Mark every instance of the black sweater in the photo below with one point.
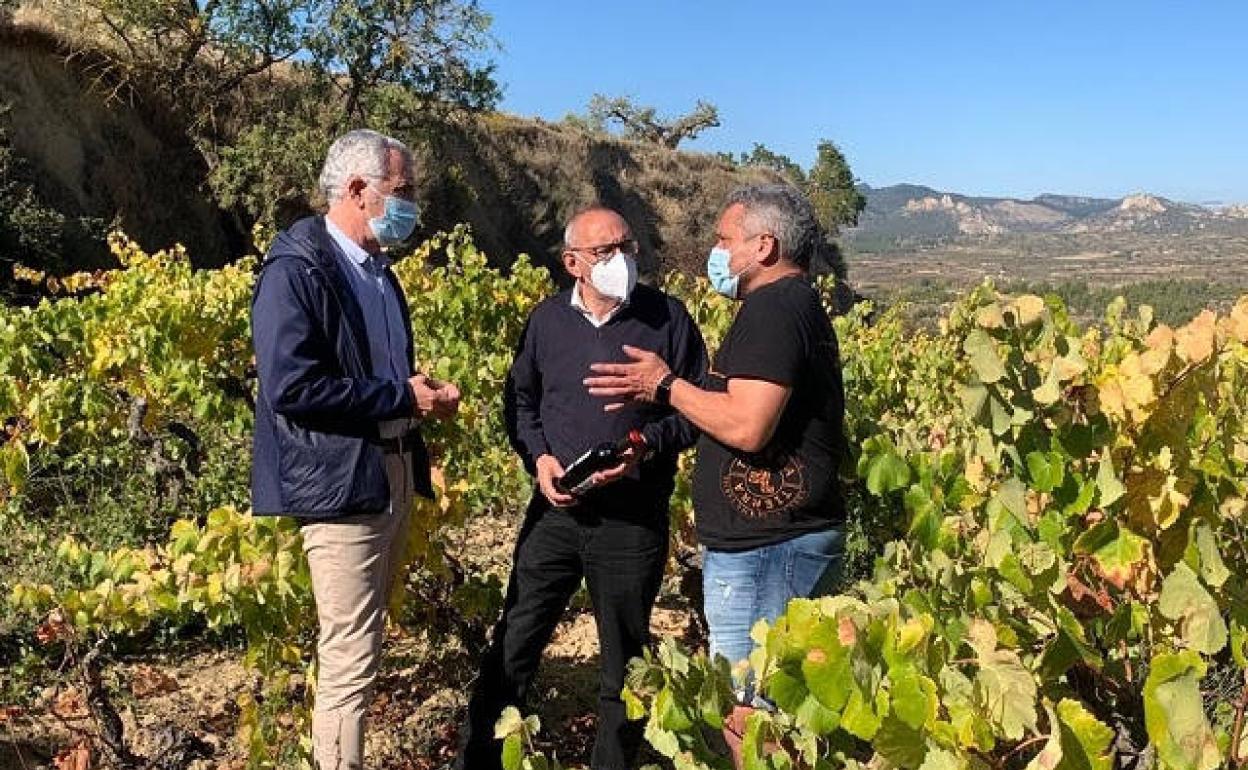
(549, 410)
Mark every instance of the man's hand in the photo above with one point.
(637, 380)
(549, 469)
(433, 398)
(446, 399)
(630, 458)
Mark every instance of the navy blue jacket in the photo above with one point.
(317, 453)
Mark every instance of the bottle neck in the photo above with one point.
(634, 440)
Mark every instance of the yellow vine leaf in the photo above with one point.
(1194, 342)
(1028, 309)
(990, 317)
(1160, 342)
(1169, 502)
(1126, 391)
(1069, 366)
(1238, 320)
(975, 474)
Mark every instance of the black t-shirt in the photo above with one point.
(746, 500)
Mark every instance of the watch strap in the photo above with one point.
(663, 393)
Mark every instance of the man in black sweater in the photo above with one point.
(615, 535)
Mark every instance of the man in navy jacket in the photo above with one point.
(337, 438)
(613, 536)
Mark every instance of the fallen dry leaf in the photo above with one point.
(54, 628)
(77, 757)
(148, 681)
(70, 704)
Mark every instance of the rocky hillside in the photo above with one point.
(912, 214)
(90, 153)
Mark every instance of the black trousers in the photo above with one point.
(622, 563)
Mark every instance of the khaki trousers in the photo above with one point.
(352, 560)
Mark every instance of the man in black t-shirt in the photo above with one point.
(766, 493)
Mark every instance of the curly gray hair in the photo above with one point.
(361, 153)
(783, 211)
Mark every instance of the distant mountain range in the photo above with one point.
(911, 215)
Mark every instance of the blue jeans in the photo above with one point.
(743, 587)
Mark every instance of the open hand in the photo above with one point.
(636, 380)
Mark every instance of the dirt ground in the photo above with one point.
(413, 720)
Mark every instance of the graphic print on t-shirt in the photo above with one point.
(765, 489)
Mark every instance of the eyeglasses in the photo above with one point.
(628, 247)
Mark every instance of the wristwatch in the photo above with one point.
(663, 391)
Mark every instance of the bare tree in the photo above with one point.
(639, 122)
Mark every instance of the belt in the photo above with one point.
(397, 445)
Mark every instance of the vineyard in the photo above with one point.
(1049, 527)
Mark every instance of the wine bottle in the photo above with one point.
(577, 477)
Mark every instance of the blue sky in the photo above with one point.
(993, 98)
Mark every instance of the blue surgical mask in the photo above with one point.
(396, 222)
(722, 279)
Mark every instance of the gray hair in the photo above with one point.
(783, 211)
(361, 153)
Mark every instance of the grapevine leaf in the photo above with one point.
(1194, 343)
(913, 696)
(16, 463)
(887, 472)
(1107, 482)
(1067, 647)
(1086, 742)
(1239, 320)
(1013, 495)
(1006, 691)
(957, 698)
(1046, 471)
(1120, 556)
(509, 723)
(1036, 558)
(815, 717)
(664, 741)
(941, 759)
(1001, 417)
(860, 717)
(1174, 715)
(982, 352)
(990, 316)
(1050, 757)
(787, 690)
(1028, 309)
(669, 714)
(826, 668)
(513, 752)
(1050, 391)
(1184, 599)
(899, 743)
(974, 400)
(1239, 641)
(1212, 568)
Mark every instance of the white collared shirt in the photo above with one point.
(383, 316)
(579, 304)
